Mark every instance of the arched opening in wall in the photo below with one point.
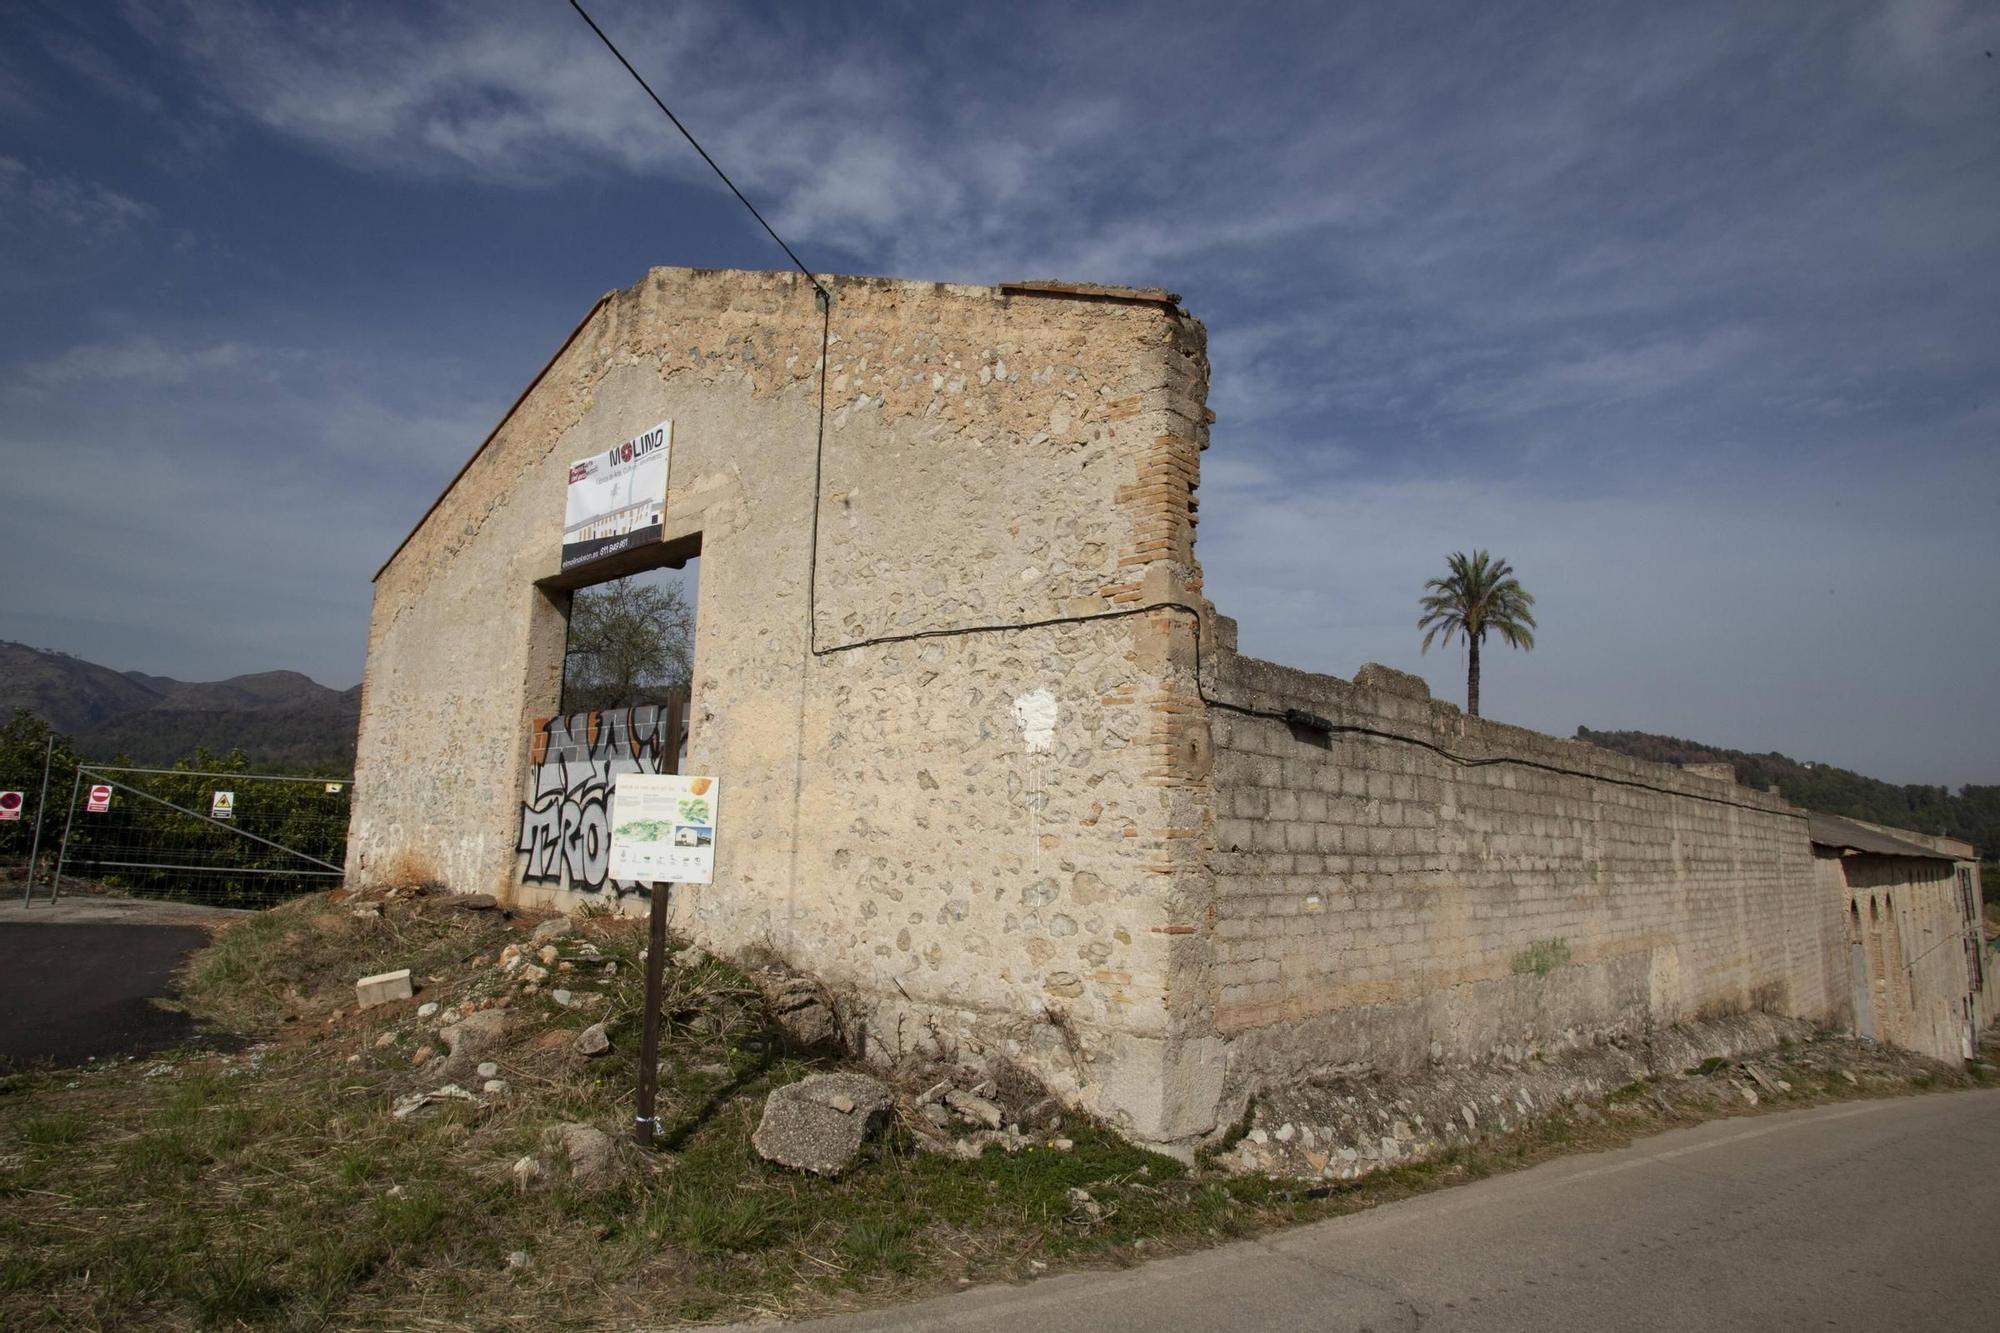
(1874, 910)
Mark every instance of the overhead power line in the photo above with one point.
(667, 111)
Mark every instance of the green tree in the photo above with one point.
(1478, 595)
(24, 743)
(629, 643)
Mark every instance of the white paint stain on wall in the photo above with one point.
(1035, 713)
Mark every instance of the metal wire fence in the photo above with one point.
(227, 839)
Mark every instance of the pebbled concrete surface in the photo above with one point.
(1868, 1215)
(80, 980)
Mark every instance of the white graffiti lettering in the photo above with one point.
(565, 835)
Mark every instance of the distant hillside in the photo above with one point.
(1972, 813)
(273, 717)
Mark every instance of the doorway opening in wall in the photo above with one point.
(623, 706)
(630, 641)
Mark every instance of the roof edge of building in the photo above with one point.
(1048, 287)
(498, 426)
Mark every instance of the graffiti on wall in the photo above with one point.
(566, 813)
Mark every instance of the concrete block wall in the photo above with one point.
(1420, 886)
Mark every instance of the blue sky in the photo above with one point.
(1689, 310)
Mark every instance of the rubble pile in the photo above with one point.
(1339, 1126)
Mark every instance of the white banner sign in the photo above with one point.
(617, 500)
(663, 827)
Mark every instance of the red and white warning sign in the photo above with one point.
(100, 799)
(11, 803)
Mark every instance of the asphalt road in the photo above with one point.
(1868, 1215)
(78, 981)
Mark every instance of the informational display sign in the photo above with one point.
(10, 804)
(663, 827)
(617, 500)
(222, 805)
(100, 799)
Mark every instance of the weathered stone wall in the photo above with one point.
(946, 672)
(1918, 952)
(1419, 886)
(971, 834)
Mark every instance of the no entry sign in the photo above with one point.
(100, 799)
(11, 803)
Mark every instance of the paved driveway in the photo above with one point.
(79, 980)
(1868, 1215)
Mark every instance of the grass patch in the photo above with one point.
(1541, 958)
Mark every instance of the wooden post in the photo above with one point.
(647, 1122)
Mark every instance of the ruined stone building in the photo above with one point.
(989, 762)
(1920, 978)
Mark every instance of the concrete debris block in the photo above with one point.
(563, 998)
(800, 1008)
(552, 930)
(427, 1008)
(488, 1069)
(975, 1108)
(593, 1040)
(384, 987)
(494, 1086)
(805, 1126)
(416, 1103)
(590, 1154)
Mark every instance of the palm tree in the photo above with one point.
(1480, 594)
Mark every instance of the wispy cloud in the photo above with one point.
(140, 360)
(83, 208)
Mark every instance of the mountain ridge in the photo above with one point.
(275, 717)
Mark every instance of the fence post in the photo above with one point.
(41, 813)
(62, 855)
